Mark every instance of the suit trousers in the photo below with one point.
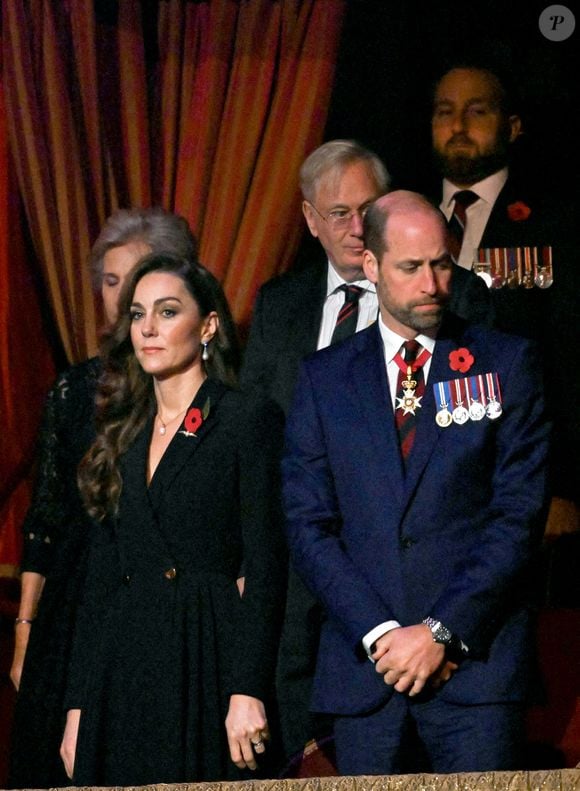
(428, 734)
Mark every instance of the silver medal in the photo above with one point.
(460, 415)
(476, 410)
(493, 409)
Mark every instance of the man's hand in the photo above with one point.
(408, 657)
(443, 674)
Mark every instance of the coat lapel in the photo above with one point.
(185, 443)
(135, 495)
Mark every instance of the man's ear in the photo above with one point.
(515, 127)
(310, 217)
(370, 266)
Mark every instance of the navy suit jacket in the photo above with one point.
(452, 538)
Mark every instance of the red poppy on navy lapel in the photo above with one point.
(518, 211)
(461, 360)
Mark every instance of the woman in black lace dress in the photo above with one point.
(55, 529)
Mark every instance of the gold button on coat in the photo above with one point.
(170, 574)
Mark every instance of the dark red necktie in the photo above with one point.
(348, 314)
(458, 220)
(410, 390)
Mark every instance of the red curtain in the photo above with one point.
(206, 108)
(26, 364)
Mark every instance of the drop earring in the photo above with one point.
(205, 353)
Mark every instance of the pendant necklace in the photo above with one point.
(163, 426)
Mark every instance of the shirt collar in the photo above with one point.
(487, 189)
(334, 281)
(392, 342)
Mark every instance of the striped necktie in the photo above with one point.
(458, 220)
(348, 314)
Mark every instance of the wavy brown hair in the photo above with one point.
(125, 397)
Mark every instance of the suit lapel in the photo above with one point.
(372, 388)
(428, 432)
(306, 326)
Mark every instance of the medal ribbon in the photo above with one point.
(475, 388)
(458, 392)
(442, 395)
(419, 362)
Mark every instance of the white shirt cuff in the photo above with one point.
(371, 637)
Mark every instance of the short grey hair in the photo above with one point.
(335, 156)
(160, 230)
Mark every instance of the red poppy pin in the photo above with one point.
(461, 360)
(518, 211)
(194, 419)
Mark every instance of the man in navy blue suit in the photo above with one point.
(415, 486)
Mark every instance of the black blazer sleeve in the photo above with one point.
(264, 551)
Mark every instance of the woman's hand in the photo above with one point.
(247, 730)
(31, 587)
(21, 635)
(68, 746)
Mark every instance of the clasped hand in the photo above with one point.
(408, 657)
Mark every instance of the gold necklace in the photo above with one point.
(163, 426)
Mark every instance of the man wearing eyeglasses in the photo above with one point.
(297, 313)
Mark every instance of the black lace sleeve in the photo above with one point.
(56, 513)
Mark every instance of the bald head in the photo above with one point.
(400, 203)
(406, 257)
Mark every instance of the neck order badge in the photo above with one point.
(410, 390)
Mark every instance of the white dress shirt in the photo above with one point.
(477, 215)
(368, 305)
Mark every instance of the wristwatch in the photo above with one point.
(441, 634)
(454, 647)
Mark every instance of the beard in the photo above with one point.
(463, 169)
(419, 321)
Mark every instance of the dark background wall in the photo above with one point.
(392, 51)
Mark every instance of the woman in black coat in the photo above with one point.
(176, 639)
(56, 526)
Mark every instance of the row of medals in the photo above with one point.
(461, 414)
(409, 402)
(475, 409)
(514, 266)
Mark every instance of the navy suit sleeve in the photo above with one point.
(313, 523)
